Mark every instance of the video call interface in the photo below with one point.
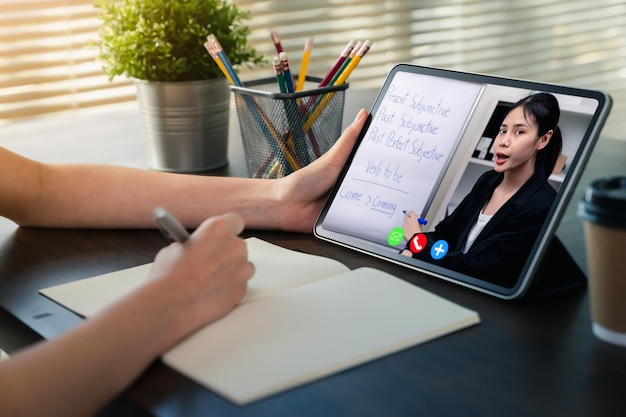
(429, 139)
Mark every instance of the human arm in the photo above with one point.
(79, 371)
(81, 195)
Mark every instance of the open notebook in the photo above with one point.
(304, 317)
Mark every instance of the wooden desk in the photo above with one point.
(534, 358)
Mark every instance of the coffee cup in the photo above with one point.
(603, 209)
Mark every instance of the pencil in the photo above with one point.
(209, 47)
(319, 107)
(332, 74)
(280, 77)
(342, 57)
(353, 63)
(291, 110)
(217, 53)
(304, 66)
(284, 61)
(276, 41)
(346, 62)
(283, 152)
(222, 55)
(293, 113)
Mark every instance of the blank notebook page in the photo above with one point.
(284, 340)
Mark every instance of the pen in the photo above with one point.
(169, 225)
(420, 220)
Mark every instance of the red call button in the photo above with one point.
(417, 243)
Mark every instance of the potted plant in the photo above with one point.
(183, 95)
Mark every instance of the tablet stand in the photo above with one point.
(557, 272)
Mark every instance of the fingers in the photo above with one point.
(234, 222)
(303, 193)
(411, 225)
(223, 231)
(210, 271)
(229, 223)
(337, 156)
(357, 124)
(346, 141)
(219, 236)
(360, 119)
(351, 133)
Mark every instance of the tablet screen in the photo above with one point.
(463, 176)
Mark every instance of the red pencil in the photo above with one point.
(344, 54)
(276, 40)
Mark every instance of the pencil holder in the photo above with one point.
(283, 132)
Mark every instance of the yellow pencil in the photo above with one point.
(306, 56)
(342, 79)
(258, 113)
(209, 47)
(353, 63)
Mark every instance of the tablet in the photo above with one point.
(453, 176)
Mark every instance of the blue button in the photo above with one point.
(439, 249)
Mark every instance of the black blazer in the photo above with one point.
(502, 247)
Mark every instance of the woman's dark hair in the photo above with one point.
(543, 109)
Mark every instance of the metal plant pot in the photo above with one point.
(186, 123)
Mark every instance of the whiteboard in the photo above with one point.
(416, 124)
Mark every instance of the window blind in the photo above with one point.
(573, 42)
(47, 65)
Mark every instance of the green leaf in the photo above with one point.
(158, 40)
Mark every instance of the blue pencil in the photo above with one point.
(293, 115)
(284, 61)
(219, 51)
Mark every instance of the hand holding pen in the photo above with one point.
(169, 225)
(412, 224)
(204, 276)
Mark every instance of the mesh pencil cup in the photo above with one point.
(283, 132)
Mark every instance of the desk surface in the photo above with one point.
(528, 358)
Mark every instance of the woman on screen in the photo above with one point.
(491, 232)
